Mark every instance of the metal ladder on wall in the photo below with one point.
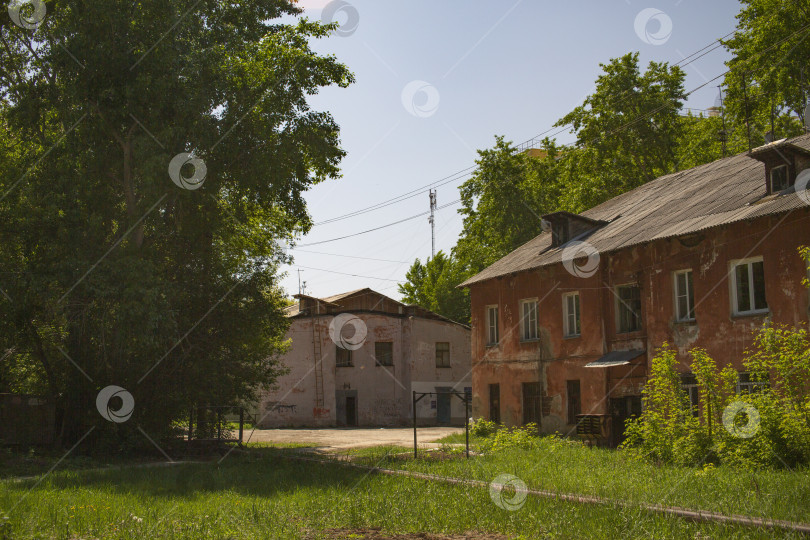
(316, 348)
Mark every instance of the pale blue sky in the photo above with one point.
(503, 67)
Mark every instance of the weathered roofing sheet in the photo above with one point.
(718, 193)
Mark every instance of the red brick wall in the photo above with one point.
(554, 359)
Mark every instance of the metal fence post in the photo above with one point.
(467, 422)
(414, 424)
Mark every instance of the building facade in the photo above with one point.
(566, 325)
(356, 358)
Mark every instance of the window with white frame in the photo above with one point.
(528, 320)
(748, 287)
(492, 325)
(628, 308)
(571, 321)
(779, 178)
(684, 296)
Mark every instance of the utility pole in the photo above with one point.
(300, 290)
(432, 223)
(723, 133)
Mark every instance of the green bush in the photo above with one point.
(483, 428)
(526, 437)
(767, 428)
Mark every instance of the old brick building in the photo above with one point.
(356, 358)
(567, 323)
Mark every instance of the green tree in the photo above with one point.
(626, 131)
(768, 73)
(433, 286)
(502, 202)
(109, 266)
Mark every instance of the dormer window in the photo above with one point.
(780, 178)
(566, 226)
(559, 233)
(783, 161)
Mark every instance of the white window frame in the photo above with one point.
(751, 296)
(690, 296)
(490, 327)
(529, 330)
(787, 177)
(567, 330)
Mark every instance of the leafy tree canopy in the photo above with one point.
(108, 266)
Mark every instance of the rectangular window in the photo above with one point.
(574, 401)
(442, 354)
(747, 385)
(628, 306)
(684, 296)
(571, 321)
(343, 357)
(528, 320)
(384, 353)
(748, 287)
(559, 233)
(689, 384)
(779, 179)
(492, 325)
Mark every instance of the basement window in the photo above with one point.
(384, 353)
(690, 386)
(442, 354)
(343, 357)
(628, 308)
(779, 178)
(746, 384)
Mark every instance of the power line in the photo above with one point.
(422, 214)
(405, 196)
(619, 128)
(347, 274)
(715, 44)
(349, 256)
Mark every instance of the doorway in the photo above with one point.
(574, 401)
(443, 398)
(622, 409)
(532, 403)
(351, 411)
(495, 403)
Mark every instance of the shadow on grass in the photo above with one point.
(259, 472)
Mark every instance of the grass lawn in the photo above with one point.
(262, 494)
(565, 467)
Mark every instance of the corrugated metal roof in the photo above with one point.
(718, 193)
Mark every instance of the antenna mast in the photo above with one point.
(432, 223)
(300, 289)
(724, 133)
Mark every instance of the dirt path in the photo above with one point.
(343, 439)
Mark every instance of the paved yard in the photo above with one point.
(341, 439)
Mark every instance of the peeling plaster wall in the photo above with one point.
(554, 359)
(383, 393)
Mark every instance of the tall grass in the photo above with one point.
(569, 467)
(272, 497)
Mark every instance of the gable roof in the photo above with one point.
(364, 300)
(719, 193)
